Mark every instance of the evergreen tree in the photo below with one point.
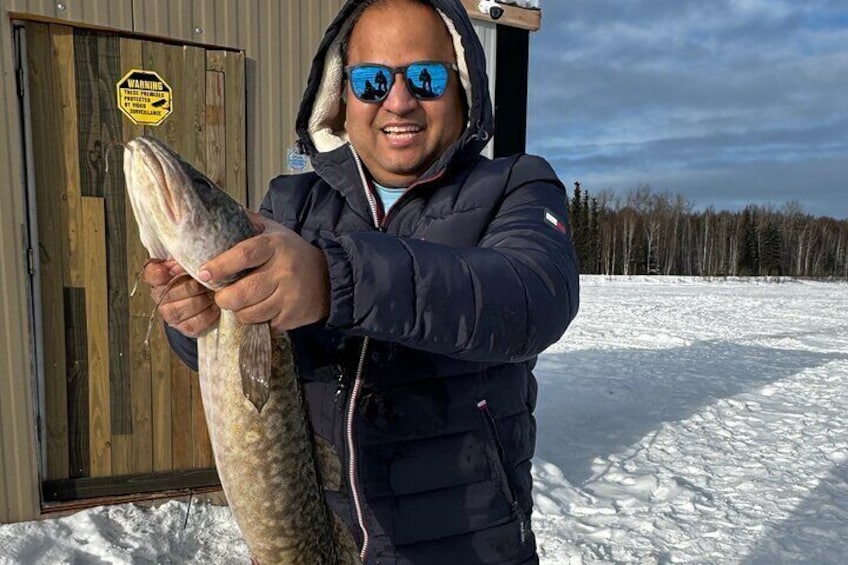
(595, 237)
(771, 249)
(748, 262)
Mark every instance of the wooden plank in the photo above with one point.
(76, 339)
(181, 416)
(215, 60)
(51, 245)
(140, 304)
(236, 126)
(66, 104)
(160, 397)
(97, 324)
(225, 134)
(154, 59)
(216, 129)
(188, 65)
(195, 101)
(186, 131)
(141, 453)
(212, 494)
(88, 113)
(183, 68)
(121, 449)
(109, 73)
(75, 489)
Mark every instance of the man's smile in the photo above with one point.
(401, 135)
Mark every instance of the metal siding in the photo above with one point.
(488, 34)
(18, 469)
(107, 13)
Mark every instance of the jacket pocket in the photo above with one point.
(495, 451)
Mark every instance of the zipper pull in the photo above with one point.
(522, 529)
(341, 389)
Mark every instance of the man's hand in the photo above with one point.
(286, 281)
(187, 306)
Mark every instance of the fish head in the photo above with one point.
(180, 212)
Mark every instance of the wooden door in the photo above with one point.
(115, 418)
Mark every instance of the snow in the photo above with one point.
(680, 421)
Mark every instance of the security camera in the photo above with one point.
(492, 8)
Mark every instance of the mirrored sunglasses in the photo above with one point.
(426, 80)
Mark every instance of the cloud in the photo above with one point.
(672, 93)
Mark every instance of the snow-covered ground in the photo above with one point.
(680, 421)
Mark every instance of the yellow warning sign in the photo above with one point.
(144, 97)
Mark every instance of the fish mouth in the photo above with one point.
(155, 159)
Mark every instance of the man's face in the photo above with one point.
(401, 137)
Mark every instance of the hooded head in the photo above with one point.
(403, 138)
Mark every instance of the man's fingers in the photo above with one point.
(155, 273)
(187, 288)
(243, 256)
(250, 290)
(256, 220)
(177, 312)
(196, 325)
(158, 272)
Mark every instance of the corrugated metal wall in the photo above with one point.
(278, 38)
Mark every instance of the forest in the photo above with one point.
(646, 232)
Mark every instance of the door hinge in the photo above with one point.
(31, 261)
(20, 78)
(19, 64)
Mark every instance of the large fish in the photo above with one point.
(270, 467)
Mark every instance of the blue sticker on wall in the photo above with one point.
(296, 161)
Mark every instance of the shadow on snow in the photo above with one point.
(593, 403)
(815, 532)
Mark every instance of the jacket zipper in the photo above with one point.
(404, 196)
(353, 472)
(495, 438)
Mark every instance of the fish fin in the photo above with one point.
(255, 364)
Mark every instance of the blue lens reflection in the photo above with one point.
(371, 83)
(427, 80)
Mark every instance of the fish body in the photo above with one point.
(264, 449)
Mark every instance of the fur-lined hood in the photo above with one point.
(318, 129)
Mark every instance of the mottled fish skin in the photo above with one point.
(266, 459)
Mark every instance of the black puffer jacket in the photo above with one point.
(421, 377)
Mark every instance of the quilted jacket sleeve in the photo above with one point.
(505, 299)
(185, 347)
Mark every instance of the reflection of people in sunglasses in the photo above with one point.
(370, 93)
(381, 81)
(418, 91)
(418, 281)
(426, 80)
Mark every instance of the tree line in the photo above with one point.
(644, 232)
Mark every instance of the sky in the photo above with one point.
(727, 102)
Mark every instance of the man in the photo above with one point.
(418, 281)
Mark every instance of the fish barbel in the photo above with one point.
(271, 468)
